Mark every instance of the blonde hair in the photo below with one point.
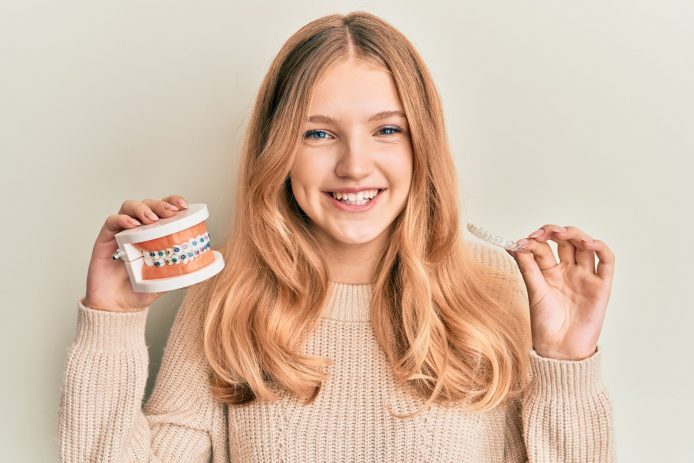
(443, 334)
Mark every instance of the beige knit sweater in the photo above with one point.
(564, 417)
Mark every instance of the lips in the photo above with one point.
(354, 207)
(362, 195)
(354, 190)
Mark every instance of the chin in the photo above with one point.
(355, 238)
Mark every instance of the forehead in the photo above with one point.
(353, 88)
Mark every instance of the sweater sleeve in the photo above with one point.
(565, 415)
(101, 416)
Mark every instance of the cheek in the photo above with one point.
(400, 169)
(299, 174)
(307, 173)
(305, 189)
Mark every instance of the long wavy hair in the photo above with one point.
(443, 334)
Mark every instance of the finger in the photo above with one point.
(606, 260)
(529, 268)
(161, 208)
(139, 211)
(565, 249)
(177, 200)
(114, 224)
(540, 251)
(583, 256)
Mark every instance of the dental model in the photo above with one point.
(171, 253)
(497, 240)
(178, 254)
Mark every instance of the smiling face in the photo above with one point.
(354, 140)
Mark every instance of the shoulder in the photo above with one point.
(193, 305)
(491, 258)
(485, 251)
(497, 269)
(199, 294)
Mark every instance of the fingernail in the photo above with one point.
(183, 204)
(134, 221)
(151, 215)
(537, 233)
(171, 207)
(559, 229)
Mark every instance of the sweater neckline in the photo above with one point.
(348, 301)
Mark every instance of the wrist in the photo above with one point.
(564, 354)
(109, 331)
(97, 305)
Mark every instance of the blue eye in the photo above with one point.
(314, 132)
(395, 129)
(323, 135)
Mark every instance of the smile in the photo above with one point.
(359, 202)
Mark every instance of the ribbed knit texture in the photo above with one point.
(565, 415)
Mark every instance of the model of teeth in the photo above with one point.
(180, 253)
(177, 253)
(357, 199)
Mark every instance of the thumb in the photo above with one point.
(531, 273)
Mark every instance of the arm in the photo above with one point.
(101, 417)
(565, 414)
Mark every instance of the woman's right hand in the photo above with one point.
(108, 284)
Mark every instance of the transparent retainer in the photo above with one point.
(497, 240)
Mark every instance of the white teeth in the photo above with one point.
(358, 197)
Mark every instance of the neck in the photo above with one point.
(351, 263)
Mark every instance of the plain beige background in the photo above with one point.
(567, 112)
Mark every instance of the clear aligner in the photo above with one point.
(494, 239)
(178, 254)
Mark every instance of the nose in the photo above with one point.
(354, 161)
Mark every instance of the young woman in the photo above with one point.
(352, 321)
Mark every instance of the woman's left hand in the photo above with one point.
(568, 300)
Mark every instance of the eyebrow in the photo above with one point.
(375, 117)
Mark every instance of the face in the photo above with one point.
(354, 143)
